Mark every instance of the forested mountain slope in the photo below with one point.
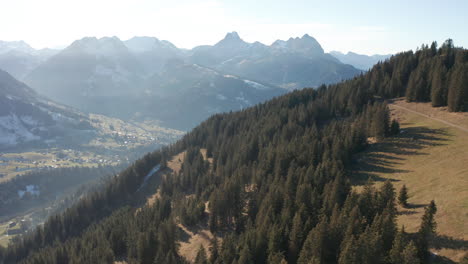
(278, 187)
(439, 76)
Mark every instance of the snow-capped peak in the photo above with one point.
(143, 44)
(102, 46)
(21, 46)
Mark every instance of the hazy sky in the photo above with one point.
(366, 26)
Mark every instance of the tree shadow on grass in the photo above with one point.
(415, 205)
(439, 242)
(407, 212)
(443, 241)
(410, 209)
(385, 156)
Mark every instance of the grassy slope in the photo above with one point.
(431, 158)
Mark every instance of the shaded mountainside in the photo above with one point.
(184, 94)
(271, 182)
(88, 68)
(29, 119)
(153, 53)
(26, 117)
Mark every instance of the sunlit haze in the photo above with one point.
(365, 27)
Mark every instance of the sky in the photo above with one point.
(362, 26)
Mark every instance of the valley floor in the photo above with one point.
(430, 157)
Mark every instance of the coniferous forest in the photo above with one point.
(279, 185)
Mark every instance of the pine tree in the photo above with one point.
(387, 196)
(146, 247)
(201, 256)
(395, 127)
(438, 85)
(296, 238)
(349, 252)
(458, 89)
(429, 225)
(314, 247)
(426, 230)
(398, 247)
(410, 254)
(418, 85)
(276, 258)
(214, 251)
(245, 256)
(275, 239)
(403, 196)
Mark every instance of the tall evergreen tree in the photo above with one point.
(438, 85)
(399, 244)
(314, 248)
(410, 254)
(458, 89)
(403, 196)
(426, 230)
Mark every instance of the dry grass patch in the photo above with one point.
(205, 155)
(175, 164)
(431, 158)
(192, 239)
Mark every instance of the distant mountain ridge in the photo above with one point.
(292, 64)
(89, 67)
(130, 79)
(152, 53)
(360, 61)
(18, 58)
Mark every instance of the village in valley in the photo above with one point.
(115, 144)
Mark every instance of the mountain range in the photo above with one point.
(292, 64)
(18, 58)
(360, 61)
(147, 78)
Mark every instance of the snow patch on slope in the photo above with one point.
(31, 189)
(28, 120)
(256, 85)
(151, 173)
(13, 130)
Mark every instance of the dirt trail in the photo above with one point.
(430, 117)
